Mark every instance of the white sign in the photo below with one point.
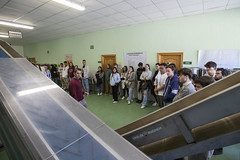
(228, 59)
(132, 59)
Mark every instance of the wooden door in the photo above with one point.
(108, 59)
(175, 57)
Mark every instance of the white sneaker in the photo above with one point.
(154, 104)
(100, 94)
(115, 101)
(123, 98)
(129, 102)
(142, 106)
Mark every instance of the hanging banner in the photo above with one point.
(133, 58)
(224, 58)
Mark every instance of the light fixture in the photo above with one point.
(70, 4)
(4, 36)
(15, 25)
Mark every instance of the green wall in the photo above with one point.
(217, 30)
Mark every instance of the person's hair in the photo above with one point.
(210, 64)
(65, 62)
(71, 63)
(115, 69)
(163, 64)
(171, 64)
(109, 65)
(84, 60)
(157, 64)
(125, 67)
(148, 66)
(140, 64)
(132, 68)
(204, 81)
(224, 71)
(101, 68)
(194, 77)
(61, 63)
(185, 72)
(78, 69)
(172, 67)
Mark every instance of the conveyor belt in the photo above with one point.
(39, 120)
(175, 130)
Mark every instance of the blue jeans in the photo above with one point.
(145, 97)
(85, 85)
(100, 88)
(130, 94)
(83, 102)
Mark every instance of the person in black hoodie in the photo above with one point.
(54, 74)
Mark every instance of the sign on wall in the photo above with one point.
(224, 58)
(133, 58)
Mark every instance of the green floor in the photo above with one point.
(120, 114)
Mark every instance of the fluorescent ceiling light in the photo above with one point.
(16, 25)
(4, 36)
(70, 4)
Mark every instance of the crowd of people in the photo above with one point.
(166, 85)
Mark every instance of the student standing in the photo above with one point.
(75, 88)
(108, 72)
(153, 85)
(114, 81)
(71, 71)
(131, 78)
(139, 72)
(159, 83)
(54, 74)
(85, 75)
(171, 85)
(146, 80)
(99, 76)
(185, 75)
(123, 82)
(65, 76)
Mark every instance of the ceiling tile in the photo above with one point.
(106, 11)
(93, 5)
(192, 8)
(117, 16)
(140, 19)
(233, 4)
(109, 2)
(165, 5)
(122, 7)
(215, 4)
(19, 7)
(173, 12)
(30, 3)
(155, 15)
(3, 2)
(132, 13)
(189, 2)
(139, 3)
(9, 12)
(214, 9)
(148, 9)
(50, 8)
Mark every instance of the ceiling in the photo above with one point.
(52, 20)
